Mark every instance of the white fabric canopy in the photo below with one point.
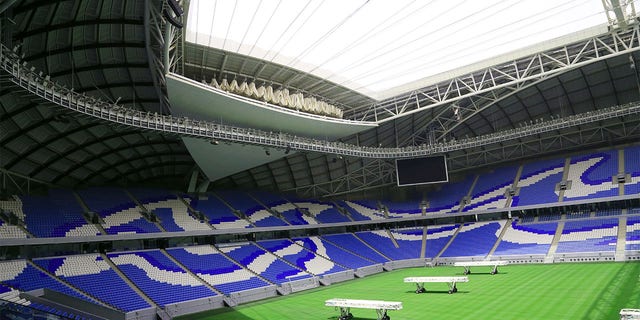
(375, 46)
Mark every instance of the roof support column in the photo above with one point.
(6, 5)
(623, 12)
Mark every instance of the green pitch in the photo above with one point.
(561, 291)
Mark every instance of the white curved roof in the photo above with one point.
(384, 48)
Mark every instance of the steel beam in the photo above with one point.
(513, 73)
(154, 45)
(20, 75)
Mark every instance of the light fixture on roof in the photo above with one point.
(214, 142)
(456, 111)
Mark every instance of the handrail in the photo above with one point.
(53, 92)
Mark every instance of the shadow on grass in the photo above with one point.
(436, 292)
(621, 292)
(222, 313)
(355, 317)
(482, 274)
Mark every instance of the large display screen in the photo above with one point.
(425, 170)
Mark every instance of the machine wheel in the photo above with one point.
(350, 316)
(450, 291)
(455, 289)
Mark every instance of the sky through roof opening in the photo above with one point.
(383, 48)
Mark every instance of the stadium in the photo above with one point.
(226, 159)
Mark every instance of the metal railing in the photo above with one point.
(39, 85)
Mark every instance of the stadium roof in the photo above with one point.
(111, 50)
(384, 48)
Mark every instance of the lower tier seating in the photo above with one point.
(212, 266)
(89, 273)
(144, 279)
(160, 278)
(301, 257)
(522, 239)
(474, 239)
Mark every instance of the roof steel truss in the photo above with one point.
(507, 75)
(34, 83)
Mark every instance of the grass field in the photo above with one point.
(558, 291)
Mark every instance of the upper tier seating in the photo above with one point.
(149, 195)
(474, 239)
(219, 214)
(216, 269)
(105, 200)
(632, 167)
(61, 214)
(172, 212)
(408, 240)
(300, 257)
(56, 215)
(589, 236)
(14, 205)
(447, 199)
(591, 176)
(359, 211)
(160, 278)
(490, 189)
(258, 213)
(577, 215)
(538, 181)
(349, 242)
(295, 216)
(174, 217)
(406, 208)
(8, 231)
(322, 212)
(332, 252)
(402, 209)
(523, 239)
(90, 273)
(289, 212)
(119, 212)
(239, 200)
